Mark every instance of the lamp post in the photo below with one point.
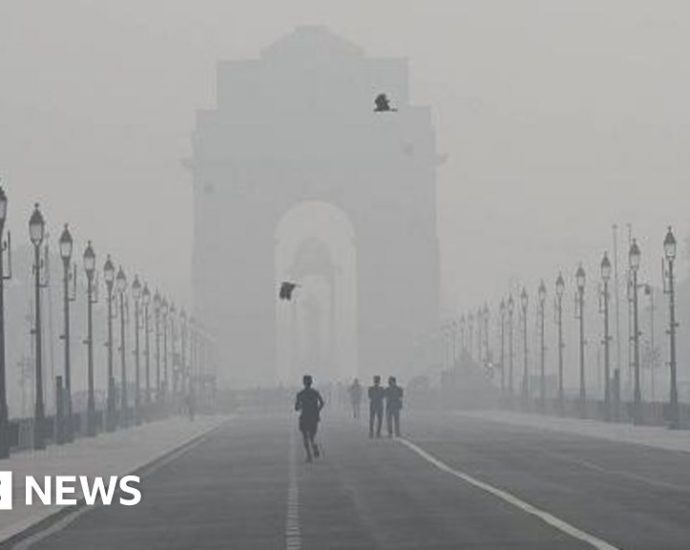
(136, 295)
(485, 318)
(109, 276)
(184, 341)
(560, 290)
(146, 300)
(502, 310)
(525, 370)
(511, 309)
(174, 356)
(580, 280)
(66, 248)
(4, 414)
(480, 325)
(606, 277)
(164, 312)
(193, 353)
(90, 267)
(542, 346)
(634, 263)
(462, 335)
(470, 323)
(157, 325)
(37, 233)
(121, 281)
(670, 255)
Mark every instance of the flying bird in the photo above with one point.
(383, 104)
(286, 288)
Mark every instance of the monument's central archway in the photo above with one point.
(316, 331)
(296, 127)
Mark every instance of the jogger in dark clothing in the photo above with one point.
(309, 402)
(376, 393)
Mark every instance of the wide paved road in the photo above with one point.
(461, 483)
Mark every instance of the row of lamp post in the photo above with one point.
(506, 327)
(117, 286)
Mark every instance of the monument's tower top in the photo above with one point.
(311, 42)
(313, 72)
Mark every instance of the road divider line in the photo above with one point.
(546, 517)
(293, 536)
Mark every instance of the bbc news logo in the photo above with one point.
(63, 490)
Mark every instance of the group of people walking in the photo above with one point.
(391, 396)
(382, 400)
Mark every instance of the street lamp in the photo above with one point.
(109, 276)
(4, 245)
(502, 310)
(174, 356)
(36, 234)
(580, 281)
(606, 277)
(525, 370)
(157, 315)
(480, 327)
(90, 268)
(470, 323)
(670, 256)
(511, 309)
(634, 263)
(146, 300)
(164, 313)
(121, 283)
(485, 317)
(560, 290)
(542, 347)
(184, 340)
(462, 336)
(136, 295)
(191, 361)
(193, 367)
(66, 249)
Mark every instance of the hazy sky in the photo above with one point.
(558, 118)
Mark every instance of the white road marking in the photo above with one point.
(546, 517)
(293, 536)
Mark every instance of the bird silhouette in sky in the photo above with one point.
(286, 289)
(383, 104)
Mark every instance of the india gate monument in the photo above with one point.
(297, 178)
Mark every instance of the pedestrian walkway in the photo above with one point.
(117, 453)
(650, 436)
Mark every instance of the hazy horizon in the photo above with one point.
(558, 120)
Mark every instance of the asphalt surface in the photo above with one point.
(240, 489)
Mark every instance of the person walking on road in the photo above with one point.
(376, 395)
(355, 392)
(394, 395)
(309, 404)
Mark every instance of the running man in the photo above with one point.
(376, 393)
(309, 402)
(355, 392)
(394, 395)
